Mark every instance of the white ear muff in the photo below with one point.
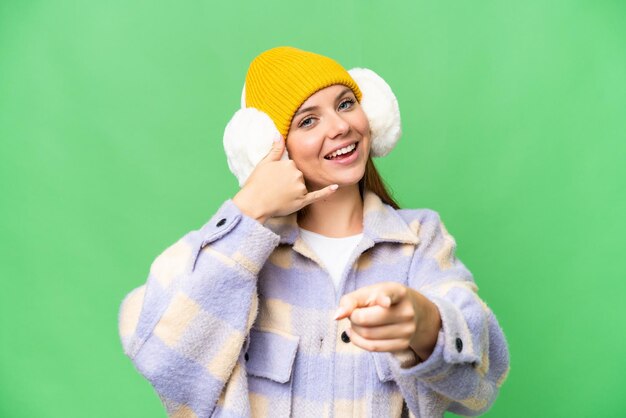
(248, 138)
(381, 107)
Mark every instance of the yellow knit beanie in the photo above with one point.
(281, 79)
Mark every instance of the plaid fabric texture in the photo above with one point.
(235, 320)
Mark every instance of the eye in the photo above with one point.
(306, 122)
(346, 104)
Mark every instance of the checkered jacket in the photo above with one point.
(235, 320)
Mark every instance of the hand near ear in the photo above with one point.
(389, 316)
(276, 188)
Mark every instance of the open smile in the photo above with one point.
(342, 153)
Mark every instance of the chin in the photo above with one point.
(344, 179)
(348, 181)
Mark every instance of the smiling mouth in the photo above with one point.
(342, 153)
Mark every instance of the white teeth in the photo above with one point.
(342, 151)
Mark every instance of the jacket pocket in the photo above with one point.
(383, 369)
(387, 399)
(269, 362)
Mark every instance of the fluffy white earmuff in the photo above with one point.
(381, 108)
(248, 138)
(249, 135)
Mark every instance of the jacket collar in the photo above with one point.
(381, 223)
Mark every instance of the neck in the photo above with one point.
(339, 215)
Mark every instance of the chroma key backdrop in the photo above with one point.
(111, 122)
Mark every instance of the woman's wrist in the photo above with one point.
(248, 208)
(428, 327)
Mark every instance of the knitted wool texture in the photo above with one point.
(281, 79)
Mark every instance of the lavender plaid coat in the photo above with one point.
(235, 320)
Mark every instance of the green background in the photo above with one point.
(111, 123)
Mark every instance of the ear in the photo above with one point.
(381, 108)
(248, 138)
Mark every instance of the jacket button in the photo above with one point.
(246, 356)
(221, 222)
(345, 338)
(459, 345)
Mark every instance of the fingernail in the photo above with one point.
(277, 138)
(341, 311)
(386, 301)
(334, 186)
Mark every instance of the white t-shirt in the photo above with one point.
(334, 252)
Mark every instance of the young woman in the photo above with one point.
(310, 293)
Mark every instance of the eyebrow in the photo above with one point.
(306, 109)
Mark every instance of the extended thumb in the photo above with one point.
(278, 146)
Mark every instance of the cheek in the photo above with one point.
(361, 123)
(303, 147)
(301, 154)
(365, 125)
(291, 144)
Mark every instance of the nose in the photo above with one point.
(337, 126)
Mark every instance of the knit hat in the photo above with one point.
(281, 79)
(278, 82)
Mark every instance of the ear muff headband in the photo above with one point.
(249, 135)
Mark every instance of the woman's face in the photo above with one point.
(329, 138)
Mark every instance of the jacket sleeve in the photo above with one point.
(470, 360)
(185, 328)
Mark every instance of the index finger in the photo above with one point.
(319, 194)
(382, 294)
